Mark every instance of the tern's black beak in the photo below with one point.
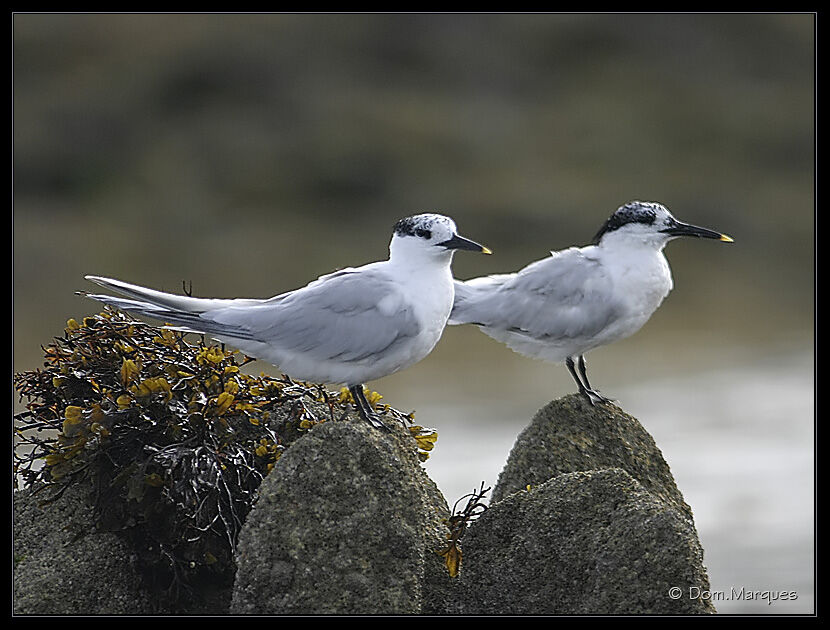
(459, 242)
(684, 229)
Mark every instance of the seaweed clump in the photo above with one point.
(458, 523)
(172, 437)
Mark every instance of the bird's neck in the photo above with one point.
(631, 254)
(425, 275)
(406, 254)
(639, 269)
(634, 245)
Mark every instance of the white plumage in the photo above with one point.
(351, 326)
(578, 299)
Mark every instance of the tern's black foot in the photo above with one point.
(594, 397)
(375, 421)
(370, 415)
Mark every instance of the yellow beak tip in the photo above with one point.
(726, 239)
(487, 250)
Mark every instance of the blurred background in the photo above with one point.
(250, 154)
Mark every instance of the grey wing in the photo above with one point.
(565, 296)
(347, 316)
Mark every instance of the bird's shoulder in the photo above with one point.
(350, 314)
(348, 290)
(564, 296)
(562, 272)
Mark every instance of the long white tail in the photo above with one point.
(183, 311)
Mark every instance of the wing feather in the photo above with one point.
(346, 316)
(564, 296)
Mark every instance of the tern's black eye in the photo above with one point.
(413, 226)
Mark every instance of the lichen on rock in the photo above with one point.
(335, 534)
(571, 435)
(593, 542)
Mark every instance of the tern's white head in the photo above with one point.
(648, 223)
(431, 236)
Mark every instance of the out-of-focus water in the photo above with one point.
(739, 441)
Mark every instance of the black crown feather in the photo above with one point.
(633, 212)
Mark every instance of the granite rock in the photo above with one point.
(570, 435)
(63, 566)
(346, 523)
(594, 542)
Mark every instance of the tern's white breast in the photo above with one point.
(641, 281)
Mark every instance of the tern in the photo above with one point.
(347, 327)
(558, 308)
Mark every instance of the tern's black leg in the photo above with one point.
(584, 389)
(583, 370)
(369, 414)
